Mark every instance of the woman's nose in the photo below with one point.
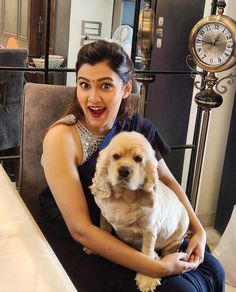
(94, 95)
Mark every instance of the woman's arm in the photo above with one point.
(62, 154)
(197, 243)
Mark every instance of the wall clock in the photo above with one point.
(212, 43)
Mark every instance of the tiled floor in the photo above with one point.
(213, 237)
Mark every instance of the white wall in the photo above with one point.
(216, 141)
(90, 10)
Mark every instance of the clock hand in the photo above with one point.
(215, 41)
(212, 45)
(221, 43)
(207, 42)
(217, 38)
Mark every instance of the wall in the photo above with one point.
(62, 22)
(14, 19)
(89, 10)
(216, 141)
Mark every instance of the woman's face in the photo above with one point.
(100, 92)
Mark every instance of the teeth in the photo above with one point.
(96, 108)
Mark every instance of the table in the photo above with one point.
(27, 262)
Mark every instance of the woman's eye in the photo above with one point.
(106, 86)
(138, 159)
(116, 156)
(84, 85)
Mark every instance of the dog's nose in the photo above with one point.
(124, 171)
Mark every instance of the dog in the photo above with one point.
(143, 211)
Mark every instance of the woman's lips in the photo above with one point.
(96, 111)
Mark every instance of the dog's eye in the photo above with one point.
(138, 159)
(116, 156)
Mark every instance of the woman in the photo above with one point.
(70, 217)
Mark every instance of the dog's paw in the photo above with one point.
(146, 284)
(88, 251)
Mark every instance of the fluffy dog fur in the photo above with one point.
(144, 212)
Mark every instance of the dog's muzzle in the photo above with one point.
(124, 172)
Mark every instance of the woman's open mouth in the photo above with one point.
(96, 111)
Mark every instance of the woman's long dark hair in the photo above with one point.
(117, 59)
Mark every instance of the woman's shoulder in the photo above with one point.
(63, 124)
(62, 139)
(57, 130)
(61, 130)
(146, 127)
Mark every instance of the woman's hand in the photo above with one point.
(196, 247)
(177, 263)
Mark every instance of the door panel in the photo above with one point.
(170, 95)
(179, 17)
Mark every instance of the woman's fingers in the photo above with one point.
(188, 263)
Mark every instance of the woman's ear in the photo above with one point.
(100, 187)
(127, 89)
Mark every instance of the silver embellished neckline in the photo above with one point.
(90, 142)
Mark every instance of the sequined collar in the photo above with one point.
(90, 142)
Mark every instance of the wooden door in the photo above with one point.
(37, 27)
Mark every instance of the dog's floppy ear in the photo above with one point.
(100, 187)
(151, 178)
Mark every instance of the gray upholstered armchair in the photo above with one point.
(11, 89)
(42, 105)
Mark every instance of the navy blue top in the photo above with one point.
(87, 169)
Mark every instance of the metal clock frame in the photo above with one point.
(224, 20)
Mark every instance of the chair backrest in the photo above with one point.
(11, 89)
(42, 105)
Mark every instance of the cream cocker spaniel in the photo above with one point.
(144, 212)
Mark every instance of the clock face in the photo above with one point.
(214, 44)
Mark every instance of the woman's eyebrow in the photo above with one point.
(98, 80)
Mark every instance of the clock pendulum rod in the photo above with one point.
(206, 100)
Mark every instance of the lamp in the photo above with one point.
(145, 44)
